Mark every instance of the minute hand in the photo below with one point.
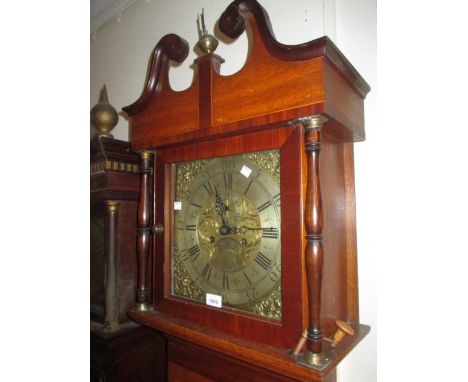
(268, 229)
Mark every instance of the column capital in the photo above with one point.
(313, 122)
(145, 154)
(112, 205)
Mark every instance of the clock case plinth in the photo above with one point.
(261, 107)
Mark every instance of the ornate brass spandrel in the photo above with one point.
(183, 284)
(270, 307)
(185, 173)
(268, 161)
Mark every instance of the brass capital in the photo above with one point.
(145, 154)
(313, 122)
(112, 205)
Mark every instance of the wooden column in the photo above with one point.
(314, 245)
(112, 298)
(143, 241)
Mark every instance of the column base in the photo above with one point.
(143, 307)
(317, 361)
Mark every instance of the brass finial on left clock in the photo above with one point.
(207, 43)
(103, 115)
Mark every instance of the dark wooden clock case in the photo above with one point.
(114, 177)
(266, 105)
(127, 352)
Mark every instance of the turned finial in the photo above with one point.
(207, 43)
(103, 115)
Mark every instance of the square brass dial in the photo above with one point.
(227, 231)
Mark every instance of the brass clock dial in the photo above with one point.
(227, 234)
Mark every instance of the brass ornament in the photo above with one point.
(112, 205)
(207, 43)
(268, 161)
(315, 360)
(157, 229)
(184, 285)
(145, 154)
(143, 307)
(271, 306)
(103, 115)
(313, 122)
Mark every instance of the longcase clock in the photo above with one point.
(246, 208)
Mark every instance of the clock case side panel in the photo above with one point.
(126, 273)
(284, 335)
(339, 288)
(127, 267)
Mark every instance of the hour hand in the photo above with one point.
(219, 206)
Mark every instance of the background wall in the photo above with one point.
(120, 52)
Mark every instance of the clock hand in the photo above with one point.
(220, 207)
(267, 229)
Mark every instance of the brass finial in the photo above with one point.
(103, 115)
(207, 43)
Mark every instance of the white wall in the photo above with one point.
(356, 27)
(119, 59)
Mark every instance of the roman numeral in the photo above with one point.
(273, 276)
(190, 227)
(270, 233)
(245, 275)
(263, 261)
(207, 187)
(248, 186)
(228, 181)
(277, 200)
(225, 281)
(206, 273)
(264, 206)
(196, 205)
(194, 252)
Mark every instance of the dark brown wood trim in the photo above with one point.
(170, 47)
(351, 245)
(282, 334)
(143, 241)
(313, 215)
